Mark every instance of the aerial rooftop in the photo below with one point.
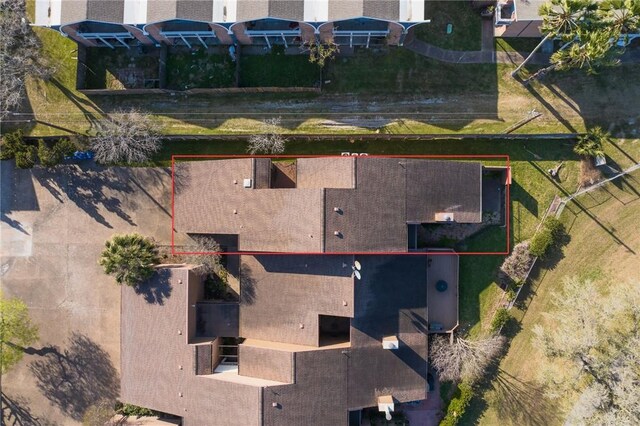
(338, 204)
(314, 339)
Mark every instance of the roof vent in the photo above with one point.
(337, 209)
(390, 342)
(337, 233)
(444, 217)
(247, 183)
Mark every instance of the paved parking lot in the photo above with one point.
(53, 226)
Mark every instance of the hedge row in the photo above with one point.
(12, 145)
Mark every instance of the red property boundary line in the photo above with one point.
(422, 253)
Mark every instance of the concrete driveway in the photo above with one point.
(53, 226)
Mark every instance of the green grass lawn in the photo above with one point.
(402, 71)
(603, 246)
(190, 69)
(467, 25)
(276, 69)
(516, 44)
(411, 93)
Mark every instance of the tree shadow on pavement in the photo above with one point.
(16, 412)
(90, 188)
(77, 377)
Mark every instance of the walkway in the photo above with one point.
(487, 54)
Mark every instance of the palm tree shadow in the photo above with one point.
(157, 288)
(77, 377)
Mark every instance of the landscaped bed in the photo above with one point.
(119, 69)
(199, 68)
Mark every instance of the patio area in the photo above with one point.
(442, 292)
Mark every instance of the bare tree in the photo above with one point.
(464, 359)
(270, 141)
(126, 137)
(19, 55)
(204, 252)
(596, 338)
(515, 267)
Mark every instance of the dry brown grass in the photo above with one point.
(589, 174)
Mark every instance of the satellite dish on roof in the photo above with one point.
(357, 265)
(357, 274)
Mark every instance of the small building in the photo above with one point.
(127, 23)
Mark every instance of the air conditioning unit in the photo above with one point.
(247, 183)
(445, 217)
(390, 342)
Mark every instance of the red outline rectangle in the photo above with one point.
(230, 156)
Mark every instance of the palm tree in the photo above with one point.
(622, 16)
(590, 144)
(130, 258)
(592, 50)
(561, 18)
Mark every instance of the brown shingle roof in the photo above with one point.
(214, 201)
(330, 172)
(158, 366)
(365, 207)
(281, 293)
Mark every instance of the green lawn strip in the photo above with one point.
(189, 69)
(402, 71)
(593, 252)
(516, 44)
(467, 25)
(276, 69)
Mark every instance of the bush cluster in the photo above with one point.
(458, 405)
(501, 317)
(515, 267)
(546, 237)
(14, 146)
(134, 410)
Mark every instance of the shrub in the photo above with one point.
(541, 241)
(511, 294)
(550, 234)
(66, 147)
(98, 414)
(10, 144)
(48, 156)
(130, 258)
(501, 317)
(555, 226)
(215, 287)
(515, 267)
(134, 410)
(458, 405)
(26, 158)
